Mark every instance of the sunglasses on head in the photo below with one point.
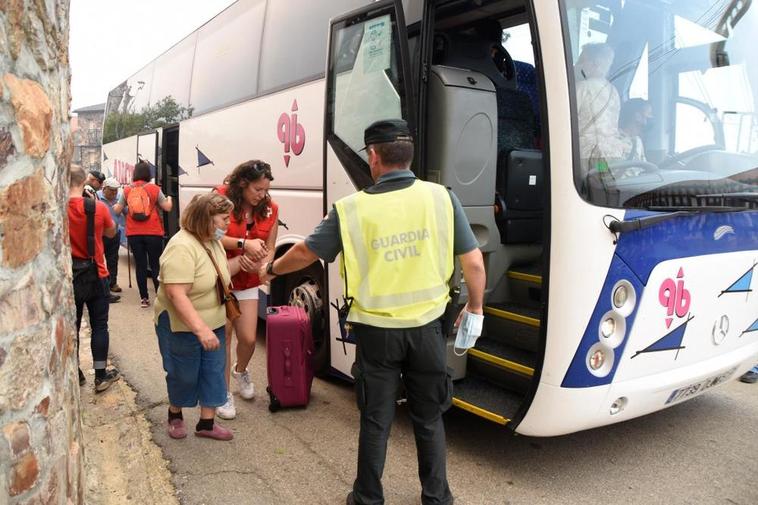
(261, 169)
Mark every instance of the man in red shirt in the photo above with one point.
(97, 303)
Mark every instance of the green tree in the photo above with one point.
(167, 111)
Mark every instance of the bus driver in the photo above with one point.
(396, 305)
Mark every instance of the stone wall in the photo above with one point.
(40, 427)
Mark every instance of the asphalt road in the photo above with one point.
(704, 451)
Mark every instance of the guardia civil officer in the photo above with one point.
(398, 239)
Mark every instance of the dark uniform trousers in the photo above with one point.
(384, 357)
(110, 246)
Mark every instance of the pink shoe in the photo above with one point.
(217, 433)
(176, 428)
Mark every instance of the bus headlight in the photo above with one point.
(624, 298)
(620, 296)
(597, 359)
(612, 329)
(607, 327)
(600, 360)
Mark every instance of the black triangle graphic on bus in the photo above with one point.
(181, 170)
(671, 341)
(202, 159)
(105, 156)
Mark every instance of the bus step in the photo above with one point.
(515, 312)
(531, 273)
(513, 324)
(486, 400)
(504, 356)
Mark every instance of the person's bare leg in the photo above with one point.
(228, 410)
(245, 328)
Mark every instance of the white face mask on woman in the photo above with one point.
(218, 233)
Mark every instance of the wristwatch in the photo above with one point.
(270, 268)
(240, 243)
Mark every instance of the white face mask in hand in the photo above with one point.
(468, 332)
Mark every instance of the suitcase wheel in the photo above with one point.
(274, 403)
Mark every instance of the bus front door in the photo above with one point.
(169, 179)
(367, 79)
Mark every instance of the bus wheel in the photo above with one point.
(305, 292)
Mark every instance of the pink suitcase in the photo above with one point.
(289, 351)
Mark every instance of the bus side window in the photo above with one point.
(221, 75)
(294, 40)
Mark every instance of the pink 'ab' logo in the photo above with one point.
(122, 171)
(291, 134)
(674, 297)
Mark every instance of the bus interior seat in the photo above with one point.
(516, 126)
(516, 131)
(472, 53)
(526, 81)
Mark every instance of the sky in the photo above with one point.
(112, 39)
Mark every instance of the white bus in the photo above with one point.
(605, 151)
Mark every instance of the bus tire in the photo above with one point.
(304, 289)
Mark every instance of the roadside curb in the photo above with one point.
(122, 462)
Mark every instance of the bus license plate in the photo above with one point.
(699, 387)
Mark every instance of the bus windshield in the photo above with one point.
(664, 102)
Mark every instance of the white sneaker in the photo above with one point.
(245, 385)
(227, 410)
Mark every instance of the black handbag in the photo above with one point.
(86, 280)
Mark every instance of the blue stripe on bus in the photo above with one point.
(639, 252)
(687, 236)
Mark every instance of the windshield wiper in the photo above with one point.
(696, 208)
(639, 223)
(672, 212)
(746, 196)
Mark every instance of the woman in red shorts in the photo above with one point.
(252, 231)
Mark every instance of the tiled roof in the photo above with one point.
(91, 108)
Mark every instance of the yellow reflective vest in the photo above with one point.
(397, 254)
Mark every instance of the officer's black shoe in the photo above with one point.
(350, 500)
(113, 298)
(750, 377)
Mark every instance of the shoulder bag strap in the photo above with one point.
(219, 279)
(89, 210)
